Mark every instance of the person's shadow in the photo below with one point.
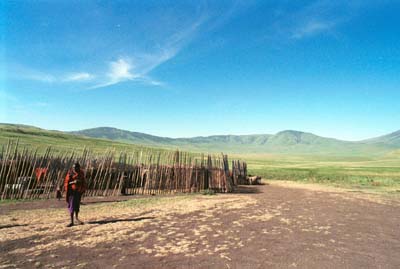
(107, 221)
(11, 226)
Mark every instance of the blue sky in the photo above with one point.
(189, 68)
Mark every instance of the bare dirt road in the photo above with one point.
(269, 226)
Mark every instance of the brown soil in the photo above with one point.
(269, 226)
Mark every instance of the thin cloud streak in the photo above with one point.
(20, 72)
(317, 18)
(311, 28)
(82, 76)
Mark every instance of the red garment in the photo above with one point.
(79, 184)
(40, 173)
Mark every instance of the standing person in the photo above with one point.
(75, 186)
(58, 194)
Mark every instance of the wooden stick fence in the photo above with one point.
(239, 172)
(24, 174)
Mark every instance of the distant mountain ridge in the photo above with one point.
(288, 137)
(389, 139)
(288, 141)
(285, 142)
(122, 135)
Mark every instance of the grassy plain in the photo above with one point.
(368, 172)
(378, 174)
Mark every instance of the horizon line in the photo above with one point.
(199, 136)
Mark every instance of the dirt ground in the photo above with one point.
(277, 225)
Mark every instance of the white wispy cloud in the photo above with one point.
(138, 66)
(119, 71)
(317, 18)
(150, 81)
(311, 28)
(140, 53)
(123, 70)
(22, 72)
(81, 76)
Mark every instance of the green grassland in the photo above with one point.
(377, 174)
(378, 171)
(36, 138)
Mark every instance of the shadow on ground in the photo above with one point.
(118, 220)
(249, 189)
(12, 225)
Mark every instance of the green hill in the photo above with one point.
(285, 142)
(392, 139)
(123, 136)
(33, 137)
